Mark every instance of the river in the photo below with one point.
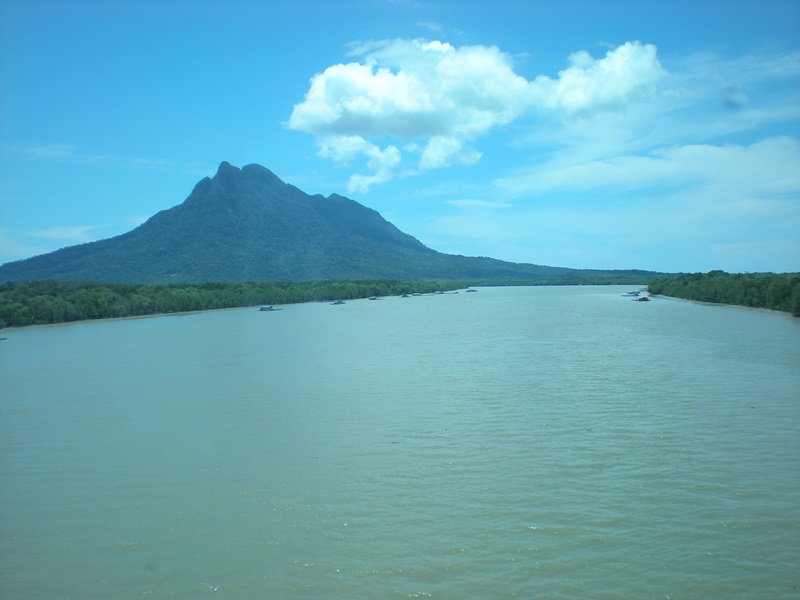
(530, 442)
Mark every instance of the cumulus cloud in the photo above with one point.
(442, 98)
(627, 73)
(442, 151)
(414, 89)
(343, 149)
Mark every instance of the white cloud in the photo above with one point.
(74, 235)
(66, 153)
(12, 249)
(628, 72)
(766, 168)
(15, 245)
(343, 149)
(69, 153)
(443, 151)
(477, 204)
(715, 204)
(413, 89)
(430, 25)
(381, 164)
(60, 151)
(439, 99)
(136, 220)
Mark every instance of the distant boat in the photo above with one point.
(374, 298)
(632, 294)
(267, 308)
(642, 299)
(471, 290)
(335, 302)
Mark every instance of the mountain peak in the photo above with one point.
(252, 174)
(248, 225)
(224, 168)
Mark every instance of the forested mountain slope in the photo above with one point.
(248, 225)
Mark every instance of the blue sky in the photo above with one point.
(658, 135)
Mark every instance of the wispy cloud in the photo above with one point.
(721, 205)
(430, 26)
(136, 220)
(765, 167)
(64, 152)
(53, 151)
(14, 249)
(70, 153)
(74, 235)
(18, 245)
(477, 204)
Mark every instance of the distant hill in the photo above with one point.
(248, 225)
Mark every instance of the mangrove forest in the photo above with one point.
(773, 291)
(44, 302)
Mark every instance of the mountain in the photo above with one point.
(248, 225)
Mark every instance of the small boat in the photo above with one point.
(642, 299)
(471, 290)
(374, 298)
(337, 302)
(267, 308)
(632, 294)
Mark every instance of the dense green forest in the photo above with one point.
(759, 290)
(42, 302)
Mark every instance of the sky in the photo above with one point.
(650, 134)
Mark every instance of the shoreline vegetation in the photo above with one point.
(50, 302)
(773, 291)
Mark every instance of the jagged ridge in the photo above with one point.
(248, 225)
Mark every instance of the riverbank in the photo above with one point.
(772, 291)
(51, 302)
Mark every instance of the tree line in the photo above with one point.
(779, 291)
(43, 302)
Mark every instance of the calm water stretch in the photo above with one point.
(559, 442)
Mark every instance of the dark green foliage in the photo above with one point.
(759, 290)
(248, 225)
(44, 302)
